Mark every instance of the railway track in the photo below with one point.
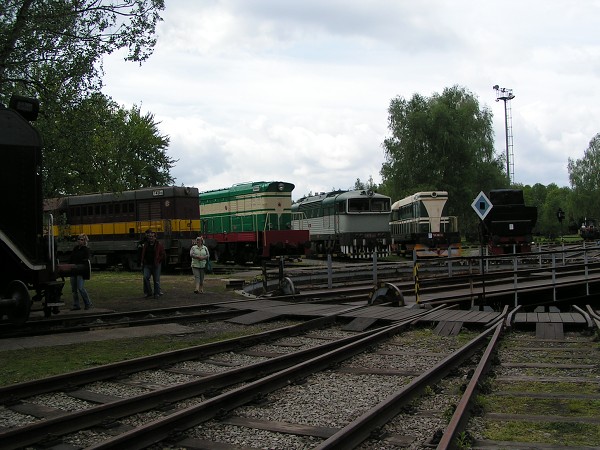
(542, 393)
(107, 320)
(309, 385)
(188, 382)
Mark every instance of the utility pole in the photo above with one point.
(506, 96)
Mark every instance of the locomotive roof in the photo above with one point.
(138, 194)
(249, 188)
(334, 196)
(506, 197)
(419, 196)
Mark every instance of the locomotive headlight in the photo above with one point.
(280, 187)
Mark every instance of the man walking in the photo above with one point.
(153, 255)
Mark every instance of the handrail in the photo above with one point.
(19, 253)
(51, 241)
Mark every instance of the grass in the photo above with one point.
(556, 433)
(543, 406)
(41, 362)
(116, 290)
(537, 387)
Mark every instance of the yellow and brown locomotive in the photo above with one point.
(116, 223)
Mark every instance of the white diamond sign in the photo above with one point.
(482, 205)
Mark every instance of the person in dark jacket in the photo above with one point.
(140, 247)
(153, 255)
(80, 255)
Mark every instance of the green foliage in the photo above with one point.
(369, 184)
(87, 141)
(444, 142)
(428, 391)
(584, 175)
(53, 49)
(464, 441)
(548, 199)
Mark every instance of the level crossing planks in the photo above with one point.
(254, 311)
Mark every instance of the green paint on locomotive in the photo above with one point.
(247, 207)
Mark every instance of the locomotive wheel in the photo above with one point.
(386, 293)
(18, 292)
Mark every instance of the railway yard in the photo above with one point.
(346, 319)
(480, 354)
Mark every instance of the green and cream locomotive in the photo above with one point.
(251, 222)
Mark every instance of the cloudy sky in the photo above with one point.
(298, 91)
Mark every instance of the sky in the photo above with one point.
(298, 91)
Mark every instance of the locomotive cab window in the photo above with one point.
(380, 205)
(358, 204)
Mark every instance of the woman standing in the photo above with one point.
(199, 254)
(80, 255)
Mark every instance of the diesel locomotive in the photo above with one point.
(508, 227)
(420, 225)
(352, 224)
(116, 222)
(30, 273)
(251, 222)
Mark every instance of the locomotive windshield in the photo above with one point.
(368, 205)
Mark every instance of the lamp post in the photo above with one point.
(505, 95)
(560, 215)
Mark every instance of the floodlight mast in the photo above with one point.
(506, 95)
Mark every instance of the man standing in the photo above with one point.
(140, 247)
(153, 255)
(80, 255)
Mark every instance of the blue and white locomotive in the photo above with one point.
(353, 224)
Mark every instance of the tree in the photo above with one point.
(97, 146)
(368, 185)
(548, 200)
(444, 142)
(52, 49)
(584, 176)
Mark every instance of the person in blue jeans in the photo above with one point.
(80, 255)
(153, 255)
